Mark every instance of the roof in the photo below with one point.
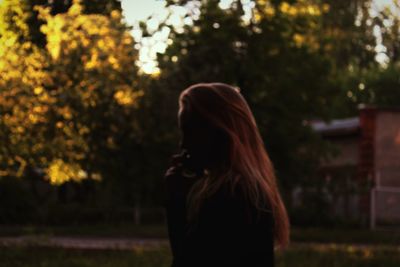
(363, 106)
(337, 127)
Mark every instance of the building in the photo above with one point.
(365, 174)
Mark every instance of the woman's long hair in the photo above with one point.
(249, 165)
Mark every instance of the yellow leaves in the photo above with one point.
(301, 8)
(127, 39)
(21, 166)
(257, 16)
(123, 97)
(156, 73)
(115, 14)
(111, 143)
(66, 112)
(85, 42)
(306, 40)
(37, 114)
(27, 45)
(33, 118)
(325, 8)
(73, 44)
(298, 9)
(87, 58)
(67, 115)
(83, 130)
(313, 10)
(76, 8)
(37, 148)
(265, 10)
(14, 16)
(59, 124)
(44, 97)
(269, 11)
(60, 172)
(101, 43)
(92, 63)
(40, 109)
(285, 7)
(20, 129)
(10, 41)
(112, 60)
(97, 177)
(53, 46)
(92, 102)
(54, 51)
(38, 90)
(126, 96)
(43, 12)
(298, 39)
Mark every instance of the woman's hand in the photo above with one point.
(176, 162)
(184, 162)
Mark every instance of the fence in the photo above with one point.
(385, 204)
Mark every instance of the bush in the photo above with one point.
(17, 202)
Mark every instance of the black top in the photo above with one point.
(224, 235)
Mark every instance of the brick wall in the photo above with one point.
(366, 158)
(387, 148)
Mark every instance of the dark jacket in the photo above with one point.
(228, 234)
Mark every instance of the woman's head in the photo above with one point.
(206, 117)
(220, 132)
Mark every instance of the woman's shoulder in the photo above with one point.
(237, 200)
(178, 180)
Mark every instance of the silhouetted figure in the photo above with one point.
(222, 202)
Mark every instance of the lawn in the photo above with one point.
(126, 230)
(305, 255)
(312, 247)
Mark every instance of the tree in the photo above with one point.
(374, 83)
(23, 75)
(77, 98)
(20, 16)
(275, 58)
(347, 30)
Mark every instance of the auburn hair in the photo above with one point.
(249, 165)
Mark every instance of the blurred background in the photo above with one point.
(88, 119)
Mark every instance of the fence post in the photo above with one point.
(372, 208)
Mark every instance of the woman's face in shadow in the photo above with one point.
(202, 140)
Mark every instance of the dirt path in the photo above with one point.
(150, 243)
(84, 242)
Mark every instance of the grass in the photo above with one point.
(297, 255)
(101, 229)
(318, 247)
(339, 256)
(346, 236)
(126, 230)
(25, 256)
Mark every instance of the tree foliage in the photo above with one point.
(74, 103)
(69, 106)
(275, 57)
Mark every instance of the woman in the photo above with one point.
(222, 201)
